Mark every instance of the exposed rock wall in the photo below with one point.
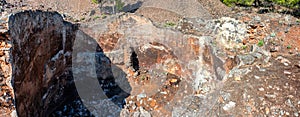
(122, 56)
(164, 67)
(41, 61)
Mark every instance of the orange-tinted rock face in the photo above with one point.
(164, 67)
(55, 61)
(41, 77)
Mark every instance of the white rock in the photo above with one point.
(287, 72)
(270, 95)
(261, 89)
(229, 106)
(296, 114)
(144, 113)
(14, 113)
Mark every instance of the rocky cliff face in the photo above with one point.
(41, 61)
(54, 63)
(159, 68)
(166, 67)
(126, 66)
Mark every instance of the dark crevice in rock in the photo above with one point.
(134, 61)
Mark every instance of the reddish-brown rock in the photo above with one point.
(42, 79)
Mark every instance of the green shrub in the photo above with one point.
(96, 17)
(95, 1)
(244, 47)
(287, 3)
(289, 47)
(119, 5)
(169, 24)
(260, 43)
(238, 2)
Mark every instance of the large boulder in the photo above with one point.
(164, 67)
(42, 43)
(56, 65)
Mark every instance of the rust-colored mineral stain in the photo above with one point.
(194, 45)
(292, 38)
(229, 64)
(108, 41)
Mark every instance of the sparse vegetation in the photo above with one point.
(103, 16)
(289, 47)
(244, 47)
(143, 77)
(95, 1)
(96, 17)
(263, 3)
(238, 2)
(169, 24)
(119, 5)
(260, 43)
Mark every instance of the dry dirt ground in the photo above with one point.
(265, 91)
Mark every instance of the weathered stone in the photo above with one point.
(42, 79)
(159, 61)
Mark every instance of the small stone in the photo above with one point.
(267, 110)
(142, 95)
(144, 113)
(153, 103)
(284, 61)
(273, 35)
(298, 65)
(281, 112)
(262, 70)
(296, 114)
(13, 113)
(229, 106)
(274, 49)
(289, 103)
(287, 72)
(256, 77)
(270, 96)
(135, 74)
(1, 53)
(173, 80)
(261, 89)
(237, 78)
(249, 109)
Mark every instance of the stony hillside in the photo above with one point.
(161, 58)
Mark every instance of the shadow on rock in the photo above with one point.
(132, 7)
(60, 71)
(101, 86)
